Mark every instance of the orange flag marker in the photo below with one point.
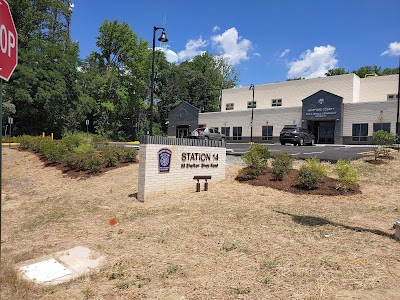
(110, 190)
(112, 221)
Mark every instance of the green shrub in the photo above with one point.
(84, 161)
(311, 173)
(256, 158)
(72, 141)
(281, 165)
(382, 139)
(128, 155)
(53, 151)
(347, 176)
(110, 156)
(83, 148)
(24, 142)
(248, 173)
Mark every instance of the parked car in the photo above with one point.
(295, 135)
(207, 134)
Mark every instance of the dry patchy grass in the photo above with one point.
(234, 241)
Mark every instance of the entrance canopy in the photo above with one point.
(322, 106)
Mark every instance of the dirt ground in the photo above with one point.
(236, 241)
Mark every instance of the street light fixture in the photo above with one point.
(162, 38)
(252, 114)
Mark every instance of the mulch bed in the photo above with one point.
(289, 184)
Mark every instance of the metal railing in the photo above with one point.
(147, 139)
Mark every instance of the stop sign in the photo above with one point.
(8, 42)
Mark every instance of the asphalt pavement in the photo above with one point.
(330, 152)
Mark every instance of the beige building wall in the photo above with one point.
(377, 88)
(292, 92)
(373, 112)
(277, 117)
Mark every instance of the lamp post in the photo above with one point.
(162, 38)
(398, 109)
(252, 114)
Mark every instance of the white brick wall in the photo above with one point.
(377, 88)
(276, 116)
(178, 178)
(292, 92)
(373, 112)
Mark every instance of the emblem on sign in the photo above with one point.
(164, 160)
(321, 101)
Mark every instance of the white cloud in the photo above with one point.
(394, 49)
(216, 28)
(231, 47)
(284, 53)
(193, 48)
(313, 63)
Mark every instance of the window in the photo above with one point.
(226, 131)
(382, 126)
(267, 132)
(237, 133)
(229, 106)
(360, 132)
(392, 96)
(276, 102)
(250, 102)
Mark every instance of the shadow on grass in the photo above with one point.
(316, 221)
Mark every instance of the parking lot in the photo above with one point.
(330, 153)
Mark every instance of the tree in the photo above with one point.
(116, 78)
(363, 71)
(43, 89)
(336, 71)
(198, 82)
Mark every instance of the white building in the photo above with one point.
(342, 109)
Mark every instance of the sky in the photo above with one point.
(266, 41)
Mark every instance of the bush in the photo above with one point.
(347, 176)
(248, 173)
(257, 158)
(281, 165)
(382, 138)
(84, 161)
(110, 156)
(311, 173)
(129, 155)
(53, 151)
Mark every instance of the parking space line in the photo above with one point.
(314, 152)
(295, 154)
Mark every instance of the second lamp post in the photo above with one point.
(162, 38)
(252, 114)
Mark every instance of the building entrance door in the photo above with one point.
(182, 131)
(326, 132)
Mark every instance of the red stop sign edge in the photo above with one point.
(2, 2)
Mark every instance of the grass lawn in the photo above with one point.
(234, 241)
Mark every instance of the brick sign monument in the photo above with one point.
(169, 164)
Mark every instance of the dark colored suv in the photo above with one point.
(295, 135)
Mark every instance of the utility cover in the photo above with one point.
(45, 271)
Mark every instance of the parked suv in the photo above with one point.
(296, 135)
(207, 134)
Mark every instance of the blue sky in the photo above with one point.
(266, 41)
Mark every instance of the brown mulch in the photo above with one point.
(289, 184)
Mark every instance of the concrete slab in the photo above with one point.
(45, 271)
(79, 259)
(65, 266)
